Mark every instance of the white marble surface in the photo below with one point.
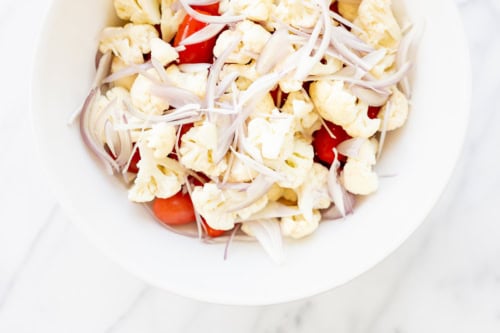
(446, 278)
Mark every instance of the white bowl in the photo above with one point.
(422, 155)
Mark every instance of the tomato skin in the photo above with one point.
(323, 143)
(373, 112)
(194, 53)
(133, 168)
(213, 232)
(212, 9)
(175, 210)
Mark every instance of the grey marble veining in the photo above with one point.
(445, 278)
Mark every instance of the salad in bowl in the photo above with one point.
(247, 119)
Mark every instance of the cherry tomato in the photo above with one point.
(213, 232)
(195, 53)
(323, 143)
(175, 210)
(133, 162)
(335, 7)
(373, 112)
(212, 9)
(282, 97)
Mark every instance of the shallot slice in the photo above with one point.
(203, 34)
(224, 19)
(351, 147)
(268, 234)
(276, 49)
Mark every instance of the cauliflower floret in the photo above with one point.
(398, 111)
(362, 126)
(330, 66)
(377, 20)
(256, 10)
(170, 19)
(313, 194)
(296, 166)
(143, 99)
(212, 203)
(298, 226)
(384, 67)
(138, 11)
(306, 120)
(161, 139)
(126, 82)
(129, 42)
(198, 148)
(241, 173)
(272, 137)
(298, 13)
(157, 177)
(247, 74)
(264, 108)
(163, 51)
(357, 175)
(348, 9)
(334, 102)
(253, 39)
(196, 82)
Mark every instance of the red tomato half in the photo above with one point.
(323, 143)
(373, 112)
(195, 53)
(212, 9)
(175, 210)
(213, 232)
(133, 162)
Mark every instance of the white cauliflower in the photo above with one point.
(362, 126)
(197, 150)
(306, 120)
(377, 20)
(272, 137)
(330, 66)
(264, 108)
(247, 74)
(138, 11)
(348, 8)
(129, 42)
(255, 10)
(296, 166)
(384, 67)
(313, 194)
(214, 204)
(163, 51)
(241, 172)
(196, 82)
(161, 139)
(357, 175)
(334, 102)
(170, 19)
(298, 13)
(398, 111)
(143, 99)
(298, 226)
(253, 39)
(126, 82)
(157, 177)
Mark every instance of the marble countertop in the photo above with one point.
(445, 278)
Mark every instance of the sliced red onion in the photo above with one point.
(177, 97)
(258, 188)
(128, 71)
(231, 239)
(351, 41)
(103, 69)
(209, 18)
(305, 60)
(268, 234)
(180, 48)
(87, 137)
(215, 70)
(259, 167)
(383, 132)
(225, 83)
(346, 22)
(160, 70)
(204, 34)
(402, 57)
(275, 50)
(369, 96)
(335, 189)
(351, 147)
